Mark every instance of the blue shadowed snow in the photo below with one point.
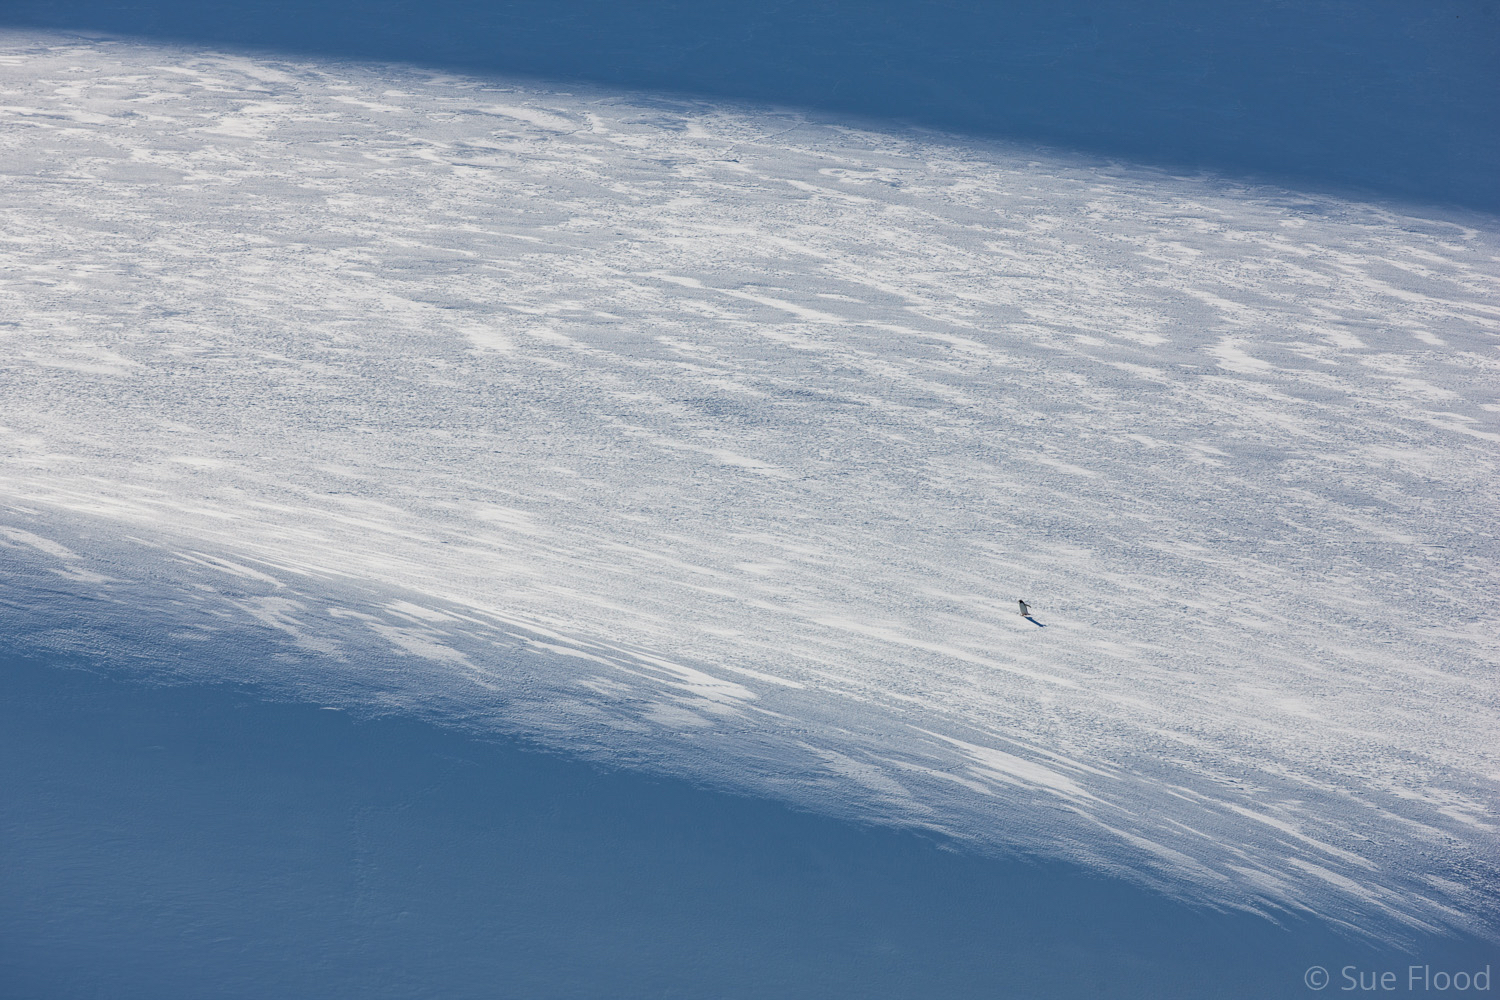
(163, 842)
(455, 533)
(1396, 97)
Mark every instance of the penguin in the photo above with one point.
(1025, 610)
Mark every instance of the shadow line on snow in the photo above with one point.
(1380, 96)
(174, 841)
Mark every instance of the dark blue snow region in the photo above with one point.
(1395, 98)
(199, 841)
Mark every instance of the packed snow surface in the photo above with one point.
(722, 441)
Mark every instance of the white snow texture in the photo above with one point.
(721, 441)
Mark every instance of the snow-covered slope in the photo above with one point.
(721, 441)
(1389, 95)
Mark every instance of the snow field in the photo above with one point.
(721, 440)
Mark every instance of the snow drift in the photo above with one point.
(719, 441)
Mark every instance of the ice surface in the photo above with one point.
(719, 441)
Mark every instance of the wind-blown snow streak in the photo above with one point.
(722, 440)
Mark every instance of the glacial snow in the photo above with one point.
(720, 441)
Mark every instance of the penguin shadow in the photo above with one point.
(1033, 621)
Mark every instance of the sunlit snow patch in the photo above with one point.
(721, 441)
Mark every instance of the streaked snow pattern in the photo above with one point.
(721, 441)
